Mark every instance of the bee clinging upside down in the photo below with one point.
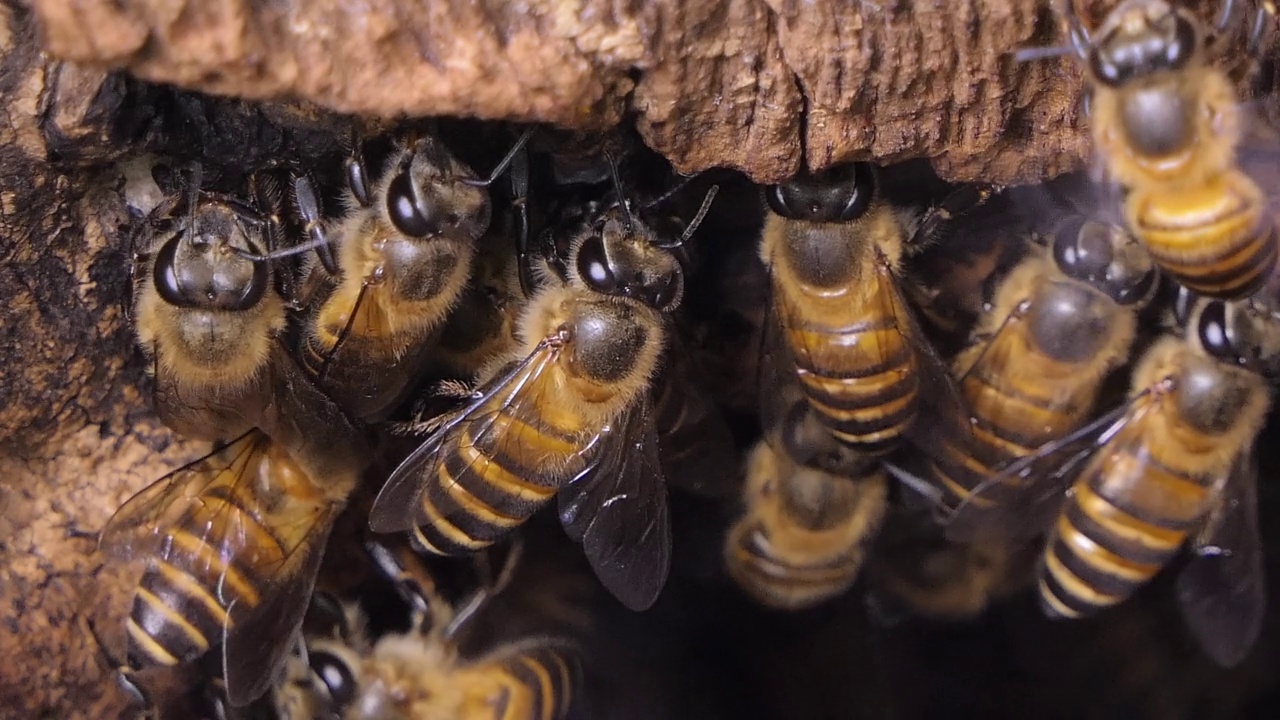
(230, 547)
(404, 257)
(1176, 462)
(207, 316)
(568, 414)
(802, 538)
(421, 674)
(1167, 125)
(835, 250)
(1059, 324)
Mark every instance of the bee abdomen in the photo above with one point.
(539, 685)
(1106, 547)
(478, 494)
(783, 582)
(177, 614)
(174, 619)
(1214, 239)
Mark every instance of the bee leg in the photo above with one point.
(306, 200)
(357, 170)
(1077, 33)
(504, 163)
(519, 180)
(122, 670)
(1263, 18)
(963, 199)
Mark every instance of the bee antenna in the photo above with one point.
(1032, 54)
(697, 219)
(504, 163)
(282, 252)
(617, 186)
(194, 181)
(667, 195)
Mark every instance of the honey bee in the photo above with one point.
(206, 315)
(231, 545)
(1167, 124)
(801, 540)
(568, 414)
(422, 674)
(835, 251)
(404, 254)
(1059, 324)
(1176, 460)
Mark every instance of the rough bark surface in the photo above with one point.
(755, 85)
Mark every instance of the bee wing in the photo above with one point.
(1222, 590)
(254, 644)
(1044, 477)
(942, 406)
(618, 511)
(139, 526)
(777, 387)
(696, 445)
(395, 507)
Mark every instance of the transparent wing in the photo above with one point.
(619, 512)
(695, 444)
(942, 406)
(141, 524)
(254, 644)
(777, 387)
(1044, 477)
(396, 505)
(1222, 591)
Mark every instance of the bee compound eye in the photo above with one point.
(857, 193)
(666, 289)
(338, 678)
(1082, 250)
(209, 276)
(406, 214)
(779, 200)
(1212, 331)
(593, 266)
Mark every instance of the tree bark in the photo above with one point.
(756, 85)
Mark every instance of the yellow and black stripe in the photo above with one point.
(1216, 239)
(1013, 415)
(538, 684)
(858, 377)
(795, 581)
(481, 488)
(181, 605)
(1113, 537)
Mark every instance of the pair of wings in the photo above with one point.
(1221, 590)
(698, 454)
(616, 507)
(254, 642)
(942, 409)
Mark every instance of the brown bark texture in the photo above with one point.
(755, 85)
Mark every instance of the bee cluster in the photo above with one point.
(861, 368)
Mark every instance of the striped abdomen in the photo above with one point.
(177, 614)
(1215, 239)
(790, 580)
(802, 540)
(1128, 516)
(1019, 399)
(535, 684)
(481, 489)
(854, 363)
